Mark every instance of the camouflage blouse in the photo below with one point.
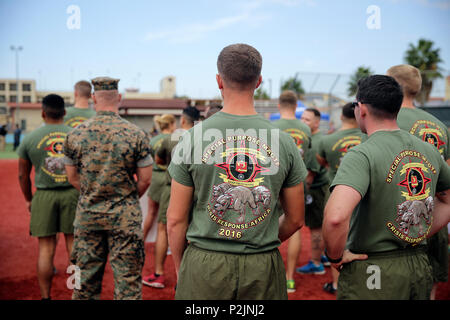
(107, 150)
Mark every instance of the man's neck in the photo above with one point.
(348, 125)
(287, 114)
(239, 103)
(381, 125)
(114, 109)
(53, 121)
(315, 131)
(408, 103)
(82, 104)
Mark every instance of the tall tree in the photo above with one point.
(360, 73)
(294, 84)
(426, 58)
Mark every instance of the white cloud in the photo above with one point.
(193, 32)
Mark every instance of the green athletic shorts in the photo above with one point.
(438, 255)
(159, 180)
(53, 211)
(210, 275)
(164, 204)
(314, 206)
(403, 274)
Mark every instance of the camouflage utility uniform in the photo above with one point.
(107, 150)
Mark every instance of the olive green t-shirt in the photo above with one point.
(75, 116)
(321, 177)
(44, 148)
(426, 127)
(301, 134)
(333, 147)
(397, 176)
(155, 144)
(237, 166)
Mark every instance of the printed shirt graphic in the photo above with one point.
(44, 148)
(76, 116)
(335, 146)
(397, 176)
(299, 131)
(426, 127)
(237, 166)
(107, 150)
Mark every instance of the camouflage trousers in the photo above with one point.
(126, 255)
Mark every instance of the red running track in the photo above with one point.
(18, 252)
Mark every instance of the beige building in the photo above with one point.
(29, 99)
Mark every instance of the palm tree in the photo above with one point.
(294, 84)
(426, 59)
(360, 73)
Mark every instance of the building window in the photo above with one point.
(26, 87)
(26, 98)
(2, 98)
(12, 98)
(13, 87)
(2, 86)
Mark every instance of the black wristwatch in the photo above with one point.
(333, 260)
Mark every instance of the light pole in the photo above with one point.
(16, 50)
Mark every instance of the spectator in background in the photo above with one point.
(3, 133)
(17, 134)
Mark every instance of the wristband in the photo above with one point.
(333, 260)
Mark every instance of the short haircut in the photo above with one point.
(53, 106)
(288, 98)
(408, 77)
(239, 65)
(315, 111)
(191, 114)
(348, 111)
(383, 95)
(83, 88)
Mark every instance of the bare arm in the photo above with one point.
(293, 203)
(441, 212)
(73, 176)
(25, 180)
(336, 222)
(178, 220)
(144, 177)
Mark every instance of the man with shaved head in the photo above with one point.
(102, 157)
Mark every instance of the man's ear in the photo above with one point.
(259, 82)
(219, 81)
(43, 114)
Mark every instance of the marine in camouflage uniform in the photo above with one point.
(107, 151)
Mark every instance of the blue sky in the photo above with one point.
(140, 42)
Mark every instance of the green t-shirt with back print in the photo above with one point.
(76, 116)
(426, 127)
(334, 147)
(237, 166)
(397, 176)
(44, 148)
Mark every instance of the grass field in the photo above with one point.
(8, 153)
